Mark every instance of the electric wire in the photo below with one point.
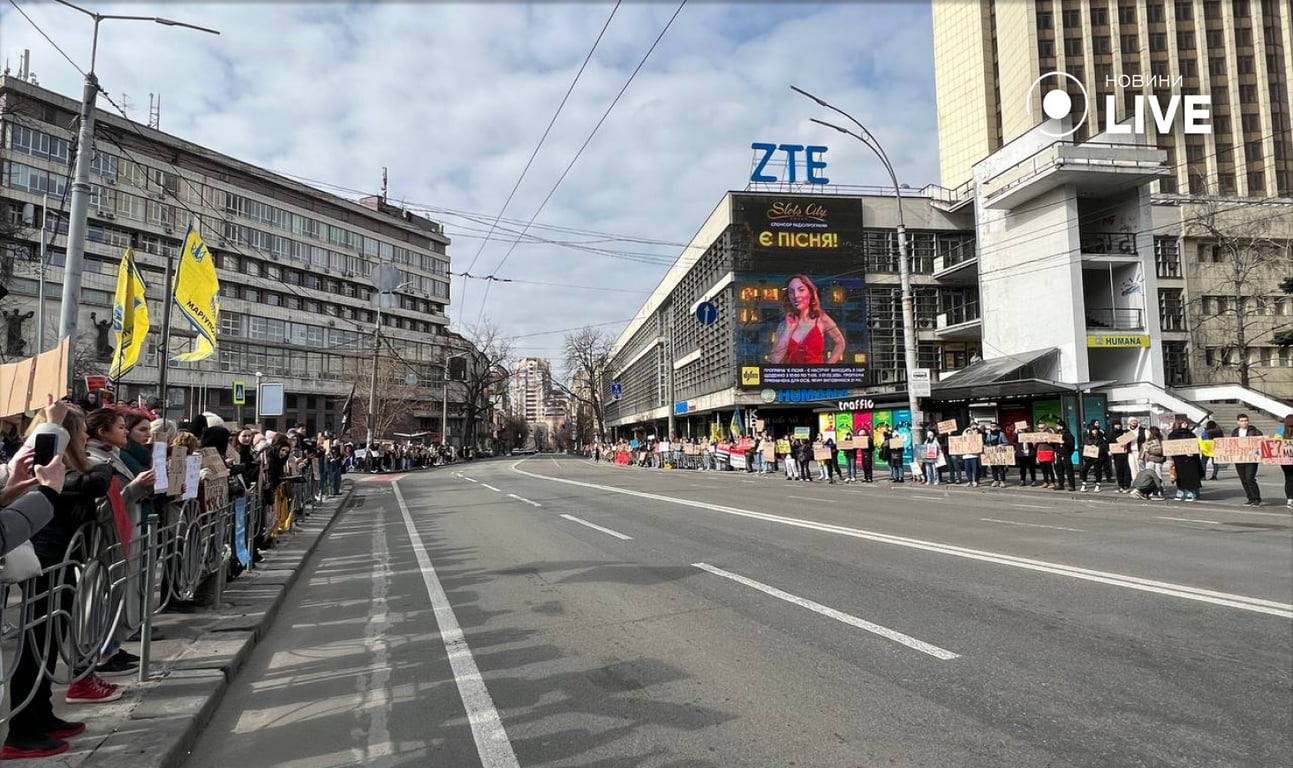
(581, 149)
(537, 147)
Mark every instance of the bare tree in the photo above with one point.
(587, 353)
(539, 431)
(396, 400)
(1284, 338)
(514, 433)
(487, 373)
(1230, 311)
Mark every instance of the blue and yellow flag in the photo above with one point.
(197, 294)
(735, 426)
(129, 317)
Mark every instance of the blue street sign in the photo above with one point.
(617, 389)
(706, 313)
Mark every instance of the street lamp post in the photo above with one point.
(904, 262)
(377, 350)
(444, 404)
(77, 223)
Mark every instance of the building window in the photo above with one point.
(1100, 44)
(1154, 13)
(1247, 65)
(1184, 10)
(1046, 49)
(1185, 41)
(1072, 18)
(1045, 20)
(1126, 14)
(1099, 16)
(1212, 9)
(1171, 309)
(1072, 46)
(1158, 42)
(1176, 363)
(1167, 257)
(1128, 43)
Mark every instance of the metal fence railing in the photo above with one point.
(71, 611)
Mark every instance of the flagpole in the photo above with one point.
(165, 347)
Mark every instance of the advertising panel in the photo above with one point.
(801, 297)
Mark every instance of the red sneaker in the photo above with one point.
(58, 728)
(92, 690)
(25, 749)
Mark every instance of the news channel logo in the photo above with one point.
(1056, 102)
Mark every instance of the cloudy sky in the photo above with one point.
(454, 98)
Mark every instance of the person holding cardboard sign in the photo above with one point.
(1095, 454)
(1188, 468)
(1247, 470)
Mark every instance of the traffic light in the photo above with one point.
(457, 369)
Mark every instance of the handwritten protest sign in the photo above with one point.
(1183, 447)
(947, 427)
(1237, 450)
(999, 456)
(1277, 452)
(965, 444)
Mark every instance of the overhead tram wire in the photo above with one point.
(537, 147)
(581, 149)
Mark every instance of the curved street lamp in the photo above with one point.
(904, 263)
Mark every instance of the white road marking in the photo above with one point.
(486, 727)
(374, 685)
(1030, 506)
(840, 616)
(527, 501)
(1242, 602)
(810, 498)
(1284, 515)
(1030, 525)
(1188, 520)
(468, 479)
(554, 463)
(597, 527)
(492, 488)
(929, 498)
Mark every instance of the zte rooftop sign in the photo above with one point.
(1192, 114)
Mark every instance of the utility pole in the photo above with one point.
(372, 387)
(77, 223)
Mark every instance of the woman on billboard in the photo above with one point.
(802, 336)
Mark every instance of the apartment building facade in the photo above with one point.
(296, 266)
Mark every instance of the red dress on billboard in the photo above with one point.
(810, 351)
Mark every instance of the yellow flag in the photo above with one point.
(197, 294)
(129, 317)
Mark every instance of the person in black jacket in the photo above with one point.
(1064, 458)
(1095, 438)
(1121, 461)
(34, 730)
(27, 500)
(1247, 470)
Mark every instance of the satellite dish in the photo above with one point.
(411, 379)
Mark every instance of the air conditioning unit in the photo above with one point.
(106, 215)
(110, 182)
(925, 323)
(888, 376)
(168, 230)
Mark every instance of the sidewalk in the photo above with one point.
(156, 723)
(1225, 491)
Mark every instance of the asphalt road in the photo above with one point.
(552, 612)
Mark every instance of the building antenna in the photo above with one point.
(383, 184)
(154, 111)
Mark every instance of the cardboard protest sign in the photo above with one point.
(1277, 452)
(1118, 448)
(947, 427)
(1184, 447)
(897, 443)
(821, 453)
(1039, 437)
(1090, 451)
(962, 445)
(999, 456)
(1127, 438)
(1020, 426)
(175, 470)
(1237, 450)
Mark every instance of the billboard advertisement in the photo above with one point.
(800, 292)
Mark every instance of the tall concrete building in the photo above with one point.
(531, 383)
(1238, 53)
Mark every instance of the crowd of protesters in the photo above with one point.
(1125, 458)
(102, 465)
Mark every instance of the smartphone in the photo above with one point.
(45, 446)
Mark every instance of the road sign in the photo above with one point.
(706, 313)
(271, 400)
(240, 393)
(617, 389)
(920, 381)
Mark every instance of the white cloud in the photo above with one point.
(453, 98)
